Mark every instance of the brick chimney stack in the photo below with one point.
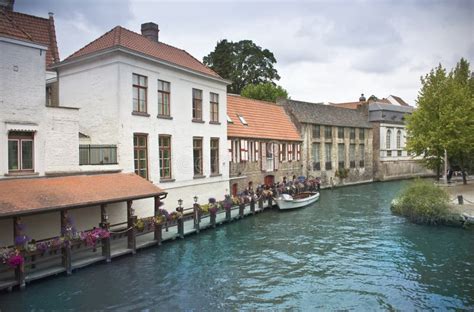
(7, 5)
(150, 30)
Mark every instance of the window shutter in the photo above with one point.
(263, 149)
(298, 152)
(229, 148)
(276, 152)
(257, 155)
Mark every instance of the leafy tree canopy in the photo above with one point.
(266, 91)
(243, 63)
(444, 119)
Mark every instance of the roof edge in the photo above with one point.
(92, 55)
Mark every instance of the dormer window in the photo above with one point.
(228, 119)
(242, 120)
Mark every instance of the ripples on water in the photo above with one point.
(347, 252)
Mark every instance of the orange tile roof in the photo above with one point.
(265, 120)
(34, 195)
(121, 37)
(32, 28)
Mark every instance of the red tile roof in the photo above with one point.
(34, 195)
(121, 37)
(265, 120)
(400, 100)
(28, 27)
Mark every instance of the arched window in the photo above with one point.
(399, 139)
(387, 139)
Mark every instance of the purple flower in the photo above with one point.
(21, 240)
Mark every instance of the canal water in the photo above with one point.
(347, 252)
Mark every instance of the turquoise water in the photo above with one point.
(347, 252)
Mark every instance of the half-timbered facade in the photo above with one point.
(263, 144)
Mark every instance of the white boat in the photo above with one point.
(286, 201)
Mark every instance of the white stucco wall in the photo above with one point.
(102, 89)
(22, 107)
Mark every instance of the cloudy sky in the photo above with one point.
(326, 50)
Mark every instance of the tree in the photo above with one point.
(243, 63)
(266, 91)
(444, 119)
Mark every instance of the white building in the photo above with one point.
(28, 126)
(149, 108)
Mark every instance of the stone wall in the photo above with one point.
(244, 172)
(401, 169)
(358, 174)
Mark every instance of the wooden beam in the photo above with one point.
(131, 234)
(158, 228)
(19, 270)
(104, 221)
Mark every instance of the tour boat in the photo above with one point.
(286, 201)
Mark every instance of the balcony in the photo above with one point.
(97, 155)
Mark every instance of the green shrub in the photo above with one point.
(422, 202)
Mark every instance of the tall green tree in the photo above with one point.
(243, 63)
(266, 91)
(444, 118)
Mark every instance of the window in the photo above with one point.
(164, 142)
(20, 152)
(340, 156)
(316, 131)
(214, 107)
(163, 98)
(139, 93)
(327, 151)
(388, 138)
(283, 152)
(362, 155)
(352, 133)
(340, 132)
(214, 156)
(242, 120)
(229, 149)
(197, 104)
(97, 154)
(228, 119)
(361, 134)
(298, 151)
(399, 139)
(49, 96)
(328, 132)
(140, 155)
(290, 152)
(197, 156)
(235, 151)
(244, 151)
(316, 159)
(352, 151)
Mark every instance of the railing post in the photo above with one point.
(131, 234)
(157, 233)
(20, 269)
(197, 216)
(252, 205)
(260, 203)
(241, 210)
(66, 250)
(104, 222)
(212, 217)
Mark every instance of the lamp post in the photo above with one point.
(180, 220)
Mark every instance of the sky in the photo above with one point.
(326, 51)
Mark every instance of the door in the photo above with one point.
(269, 179)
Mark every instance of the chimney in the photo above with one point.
(150, 30)
(362, 98)
(7, 5)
